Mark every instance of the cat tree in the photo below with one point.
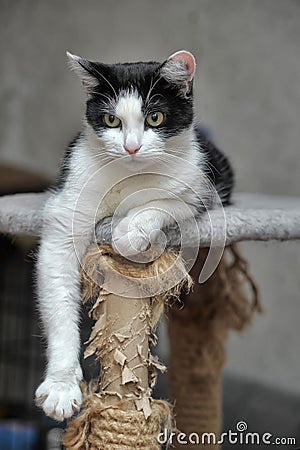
(124, 415)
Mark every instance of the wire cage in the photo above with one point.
(22, 357)
(22, 349)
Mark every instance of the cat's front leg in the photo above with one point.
(59, 301)
(142, 226)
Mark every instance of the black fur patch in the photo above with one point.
(65, 167)
(157, 95)
(217, 168)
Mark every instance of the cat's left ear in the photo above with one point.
(84, 69)
(180, 68)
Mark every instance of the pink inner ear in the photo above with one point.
(188, 59)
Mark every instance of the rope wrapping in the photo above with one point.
(197, 334)
(100, 427)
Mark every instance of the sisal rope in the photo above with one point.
(198, 333)
(113, 428)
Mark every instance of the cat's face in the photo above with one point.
(138, 111)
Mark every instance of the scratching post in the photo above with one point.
(198, 334)
(118, 411)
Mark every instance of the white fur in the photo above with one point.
(105, 180)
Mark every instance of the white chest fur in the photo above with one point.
(99, 191)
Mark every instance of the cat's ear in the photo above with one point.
(84, 69)
(180, 68)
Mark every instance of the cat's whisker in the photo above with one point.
(152, 86)
(105, 79)
(152, 105)
(102, 95)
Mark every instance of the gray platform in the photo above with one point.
(251, 217)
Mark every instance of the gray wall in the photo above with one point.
(247, 92)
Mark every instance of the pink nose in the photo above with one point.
(132, 150)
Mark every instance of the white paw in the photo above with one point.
(59, 397)
(129, 238)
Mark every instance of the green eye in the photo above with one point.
(111, 121)
(155, 119)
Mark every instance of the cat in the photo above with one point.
(139, 135)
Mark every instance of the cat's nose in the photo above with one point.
(132, 143)
(132, 149)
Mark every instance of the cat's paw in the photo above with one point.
(129, 237)
(59, 396)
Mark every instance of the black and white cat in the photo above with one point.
(139, 136)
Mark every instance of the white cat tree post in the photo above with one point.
(205, 319)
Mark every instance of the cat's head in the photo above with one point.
(138, 110)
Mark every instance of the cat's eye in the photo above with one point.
(111, 121)
(155, 119)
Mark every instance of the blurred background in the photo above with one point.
(247, 92)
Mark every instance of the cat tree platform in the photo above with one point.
(197, 332)
(250, 218)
